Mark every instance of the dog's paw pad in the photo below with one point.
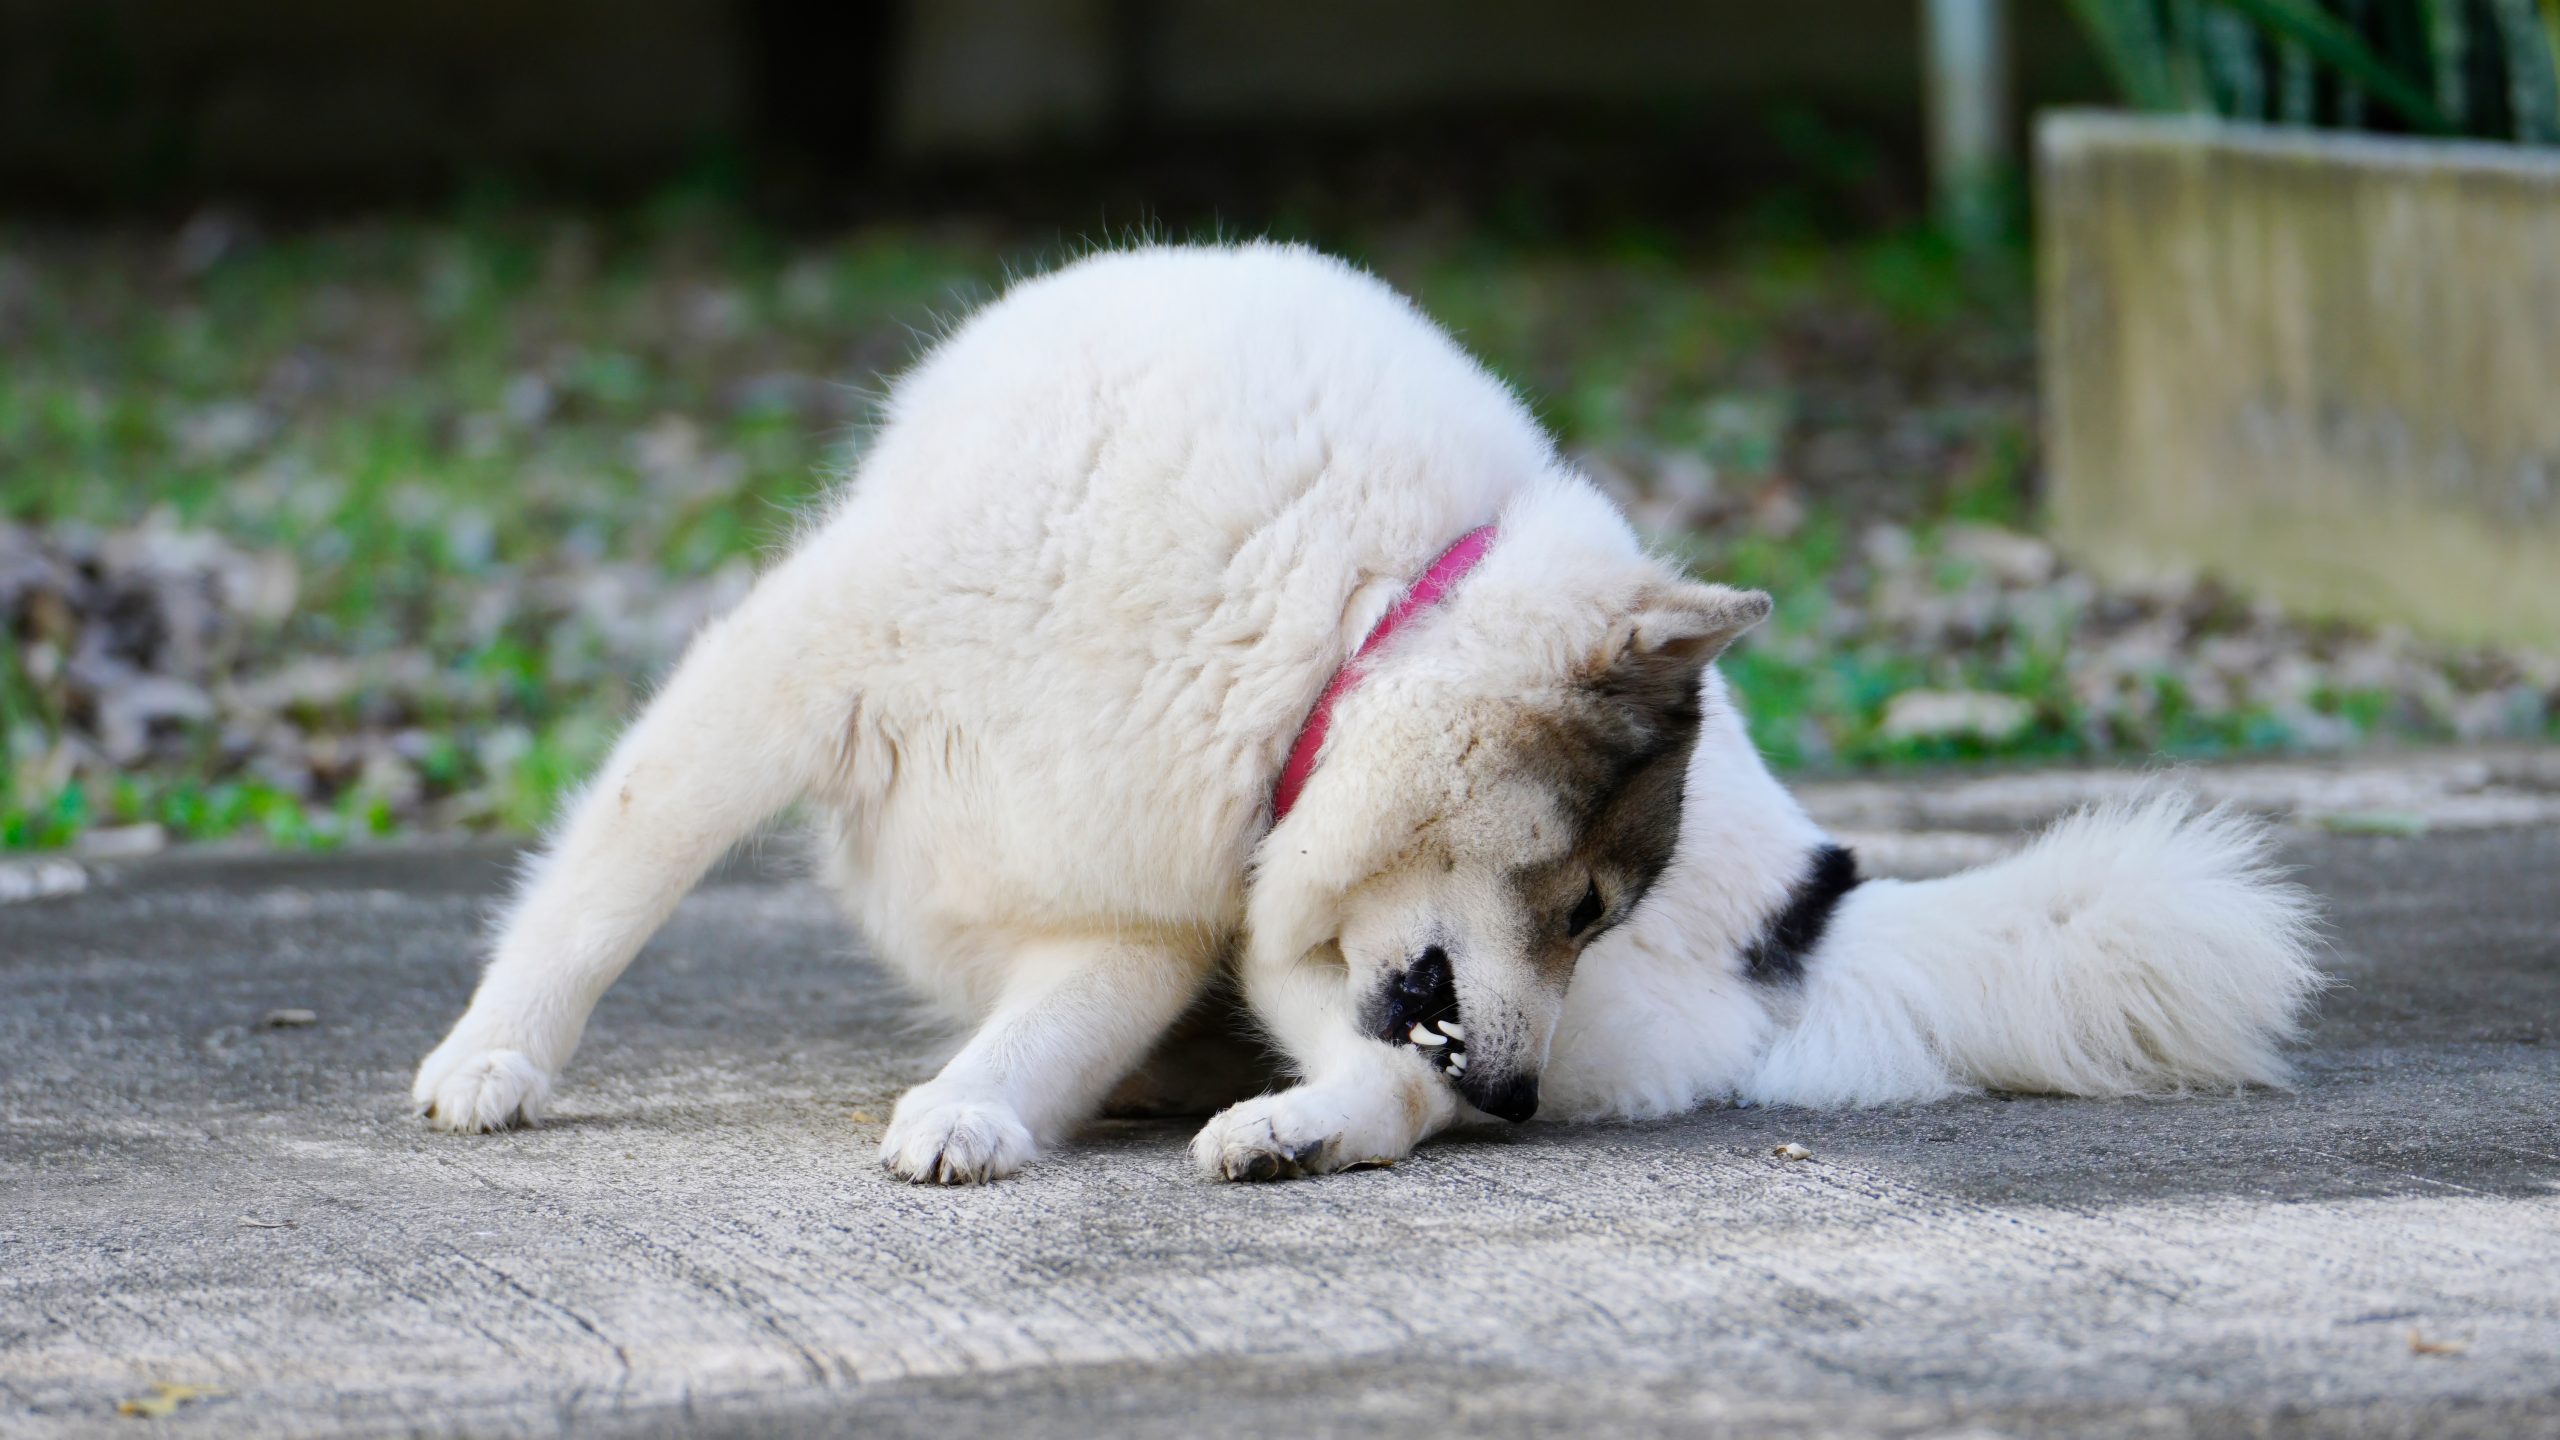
(954, 1141)
(494, 1090)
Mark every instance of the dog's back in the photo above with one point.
(1104, 548)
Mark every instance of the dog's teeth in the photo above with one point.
(1420, 1036)
(1458, 1064)
(1453, 1030)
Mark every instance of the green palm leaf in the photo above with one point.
(2533, 90)
(2344, 51)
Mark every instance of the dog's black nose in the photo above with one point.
(1514, 1099)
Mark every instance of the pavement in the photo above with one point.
(197, 1191)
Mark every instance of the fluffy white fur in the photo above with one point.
(2140, 947)
(1039, 664)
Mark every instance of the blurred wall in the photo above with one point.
(107, 100)
(141, 101)
(1005, 72)
(2318, 366)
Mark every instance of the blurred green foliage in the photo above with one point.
(2439, 67)
(491, 448)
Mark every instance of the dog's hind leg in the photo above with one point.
(1075, 1016)
(752, 719)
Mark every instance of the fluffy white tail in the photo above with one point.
(2138, 947)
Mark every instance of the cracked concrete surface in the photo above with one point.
(701, 1242)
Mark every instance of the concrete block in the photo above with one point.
(2324, 367)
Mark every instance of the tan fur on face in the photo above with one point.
(1548, 804)
(1553, 796)
(1521, 741)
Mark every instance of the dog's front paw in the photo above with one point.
(480, 1090)
(937, 1138)
(1301, 1131)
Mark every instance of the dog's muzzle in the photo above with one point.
(1419, 1010)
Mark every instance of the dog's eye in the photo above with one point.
(1586, 912)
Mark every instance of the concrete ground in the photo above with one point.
(701, 1242)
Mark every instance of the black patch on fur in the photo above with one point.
(1777, 956)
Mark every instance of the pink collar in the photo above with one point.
(1445, 572)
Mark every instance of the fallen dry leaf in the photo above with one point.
(163, 1401)
(290, 1019)
(865, 1117)
(2421, 1345)
(254, 1223)
(1792, 1151)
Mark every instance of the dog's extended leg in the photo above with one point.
(1075, 1016)
(1359, 1101)
(749, 722)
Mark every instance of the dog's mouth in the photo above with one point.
(1420, 1012)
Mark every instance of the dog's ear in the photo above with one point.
(1677, 626)
(1685, 621)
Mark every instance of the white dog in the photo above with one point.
(1208, 611)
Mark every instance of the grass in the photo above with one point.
(464, 436)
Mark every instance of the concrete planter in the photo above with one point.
(2324, 367)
